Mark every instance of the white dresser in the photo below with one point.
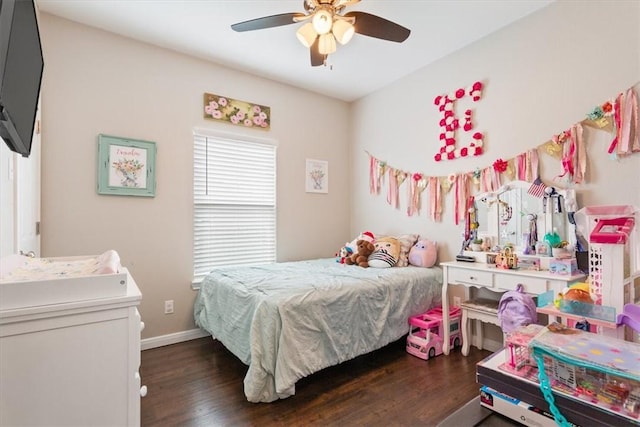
(73, 363)
(476, 274)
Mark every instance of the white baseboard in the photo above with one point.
(487, 344)
(174, 338)
(492, 345)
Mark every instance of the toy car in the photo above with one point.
(425, 333)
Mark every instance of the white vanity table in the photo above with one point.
(507, 217)
(481, 275)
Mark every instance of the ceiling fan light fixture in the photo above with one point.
(327, 44)
(343, 31)
(306, 34)
(325, 21)
(322, 21)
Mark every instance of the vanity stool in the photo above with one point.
(481, 310)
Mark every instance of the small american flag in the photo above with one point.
(537, 188)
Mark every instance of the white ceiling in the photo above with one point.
(202, 28)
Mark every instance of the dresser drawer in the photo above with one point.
(471, 277)
(509, 282)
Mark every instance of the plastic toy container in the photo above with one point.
(517, 352)
(601, 369)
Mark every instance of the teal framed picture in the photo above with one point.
(126, 167)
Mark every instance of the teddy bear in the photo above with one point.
(361, 257)
(365, 235)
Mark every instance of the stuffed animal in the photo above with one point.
(365, 235)
(362, 255)
(406, 243)
(576, 292)
(423, 254)
(344, 253)
(386, 253)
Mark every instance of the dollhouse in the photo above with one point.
(614, 256)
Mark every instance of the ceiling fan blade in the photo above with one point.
(316, 57)
(267, 22)
(380, 28)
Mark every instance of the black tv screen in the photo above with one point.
(21, 66)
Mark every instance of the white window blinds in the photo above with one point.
(234, 194)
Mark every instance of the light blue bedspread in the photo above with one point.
(289, 320)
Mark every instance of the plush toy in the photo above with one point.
(344, 253)
(423, 253)
(406, 243)
(362, 255)
(386, 253)
(576, 292)
(365, 235)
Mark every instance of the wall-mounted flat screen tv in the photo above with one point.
(21, 66)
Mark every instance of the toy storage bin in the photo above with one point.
(597, 368)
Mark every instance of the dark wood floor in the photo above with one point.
(200, 383)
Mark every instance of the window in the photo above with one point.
(234, 196)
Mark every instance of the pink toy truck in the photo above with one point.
(425, 332)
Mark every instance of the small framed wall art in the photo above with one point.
(126, 167)
(317, 176)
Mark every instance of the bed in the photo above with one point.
(288, 320)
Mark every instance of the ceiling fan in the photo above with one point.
(326, 23)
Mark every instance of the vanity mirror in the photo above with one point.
(513, 216)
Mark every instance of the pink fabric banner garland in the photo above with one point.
(462, 193)
(392, 193)
(435, 199)
(569, 147)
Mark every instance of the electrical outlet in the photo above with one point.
(168, 307)
(457, 302)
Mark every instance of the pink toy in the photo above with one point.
(517, 346)
(423, 253)
(612, 230)
(425, 332)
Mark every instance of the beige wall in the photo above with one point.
(541, 75)
(96, 82)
